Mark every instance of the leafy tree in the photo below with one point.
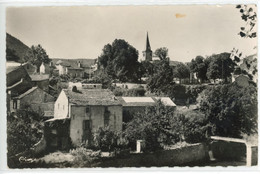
(160, 125)
(37, 55)
(162, 53)
(249, 15)
(161, 78)
(24, 129)
(230, 109)
(102, 77)
(199, 66)
(150, 126)
(148, 68)
(120, 61)
(220, 67)
(11, 55)
(182, 71)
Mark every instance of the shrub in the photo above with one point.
(105, 139)
(24, 129)
(84, 157)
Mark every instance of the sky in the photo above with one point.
(82, 31)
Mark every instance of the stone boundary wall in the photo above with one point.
(174, 157)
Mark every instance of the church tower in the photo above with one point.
(148, 53)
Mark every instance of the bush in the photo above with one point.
(84, 157)
(152, 126)
(24, 129)
(107, 140)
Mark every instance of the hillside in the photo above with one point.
(15, 49)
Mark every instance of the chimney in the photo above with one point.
(74, 89)
(79, 64)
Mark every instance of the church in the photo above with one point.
(148, 53)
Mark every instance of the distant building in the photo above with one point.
(17, 80)
(35, 99)
(84, 68)
(132, 105)
(148, 53)
(87, 110)
(41, 80)
(80, 85)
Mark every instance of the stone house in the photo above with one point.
(132, 105)
(41, 80)
(86, 110)
(76, 67)
(18, 81)
(35, 99)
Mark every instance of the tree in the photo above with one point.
(160, 125)
(162, 53)
(182, 71)
(230, 109)
(150, 126)
(24, 129)
(119, 61)
(199, 66)
(161, 78)
(248, 14)
(220, 67)
(37, 55)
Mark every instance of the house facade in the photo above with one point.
(87, 110)
(84, 68)
(35, 98)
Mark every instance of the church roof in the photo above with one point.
(148, 47)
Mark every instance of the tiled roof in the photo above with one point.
(145, 101)
(73, 63)
(92, 97)
(27, 92)
(16, 84)
(39, 77)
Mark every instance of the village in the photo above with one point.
(129, 108)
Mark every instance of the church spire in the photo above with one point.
(148, 47)
(148, 53)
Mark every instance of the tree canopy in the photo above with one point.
(220, 67)
(230, 109)
(120, 61)
(162, 53)
(199, 66)
(37, 55)
(161, 78)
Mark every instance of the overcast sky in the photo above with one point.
(82, 32)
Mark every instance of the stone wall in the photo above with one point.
(192, 154)
(224, 150)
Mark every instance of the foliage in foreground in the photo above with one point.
(231, 110)
(160, 126)
(24, 129)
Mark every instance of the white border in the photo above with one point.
(3, 161)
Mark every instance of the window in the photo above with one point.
(86, 125)
(87, 109)
(58, 106)
(106, 117)
(14, 104)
